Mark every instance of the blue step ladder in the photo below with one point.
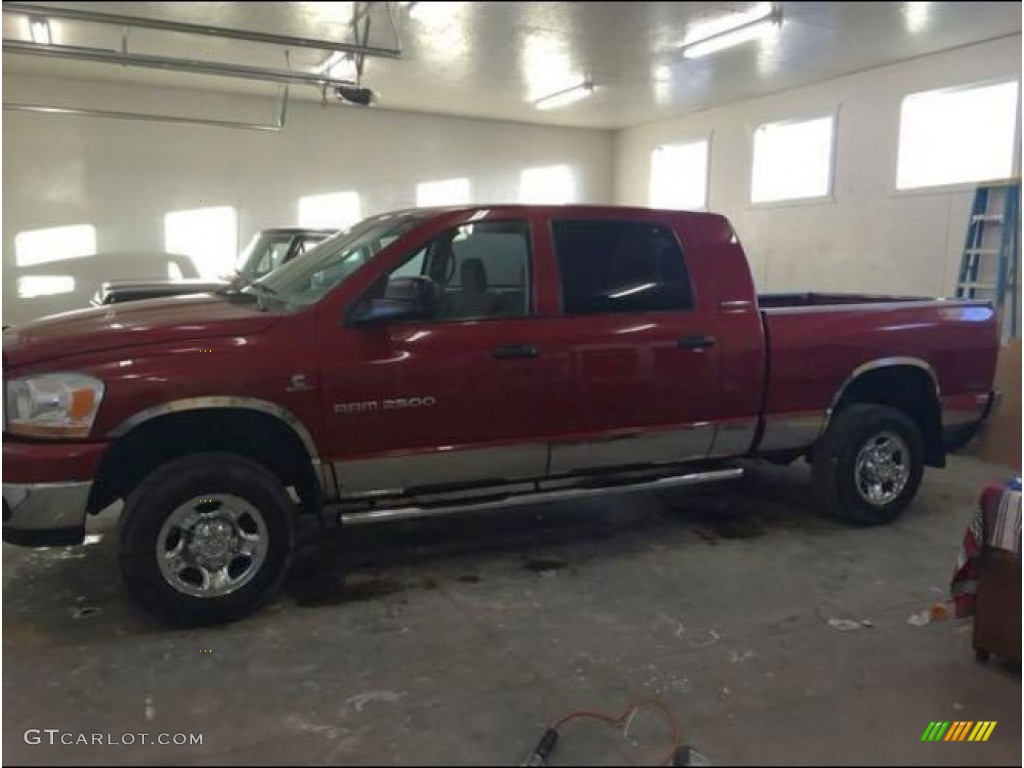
(990, 264)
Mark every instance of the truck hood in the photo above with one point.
(131, 324)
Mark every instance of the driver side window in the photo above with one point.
(480, 270)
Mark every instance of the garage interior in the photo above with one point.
(846, 143)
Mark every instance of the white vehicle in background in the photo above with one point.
(268, 250)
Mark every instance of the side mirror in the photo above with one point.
(405, 298)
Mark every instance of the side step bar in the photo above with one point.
(413, 511)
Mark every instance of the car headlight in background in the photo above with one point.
(53, 405)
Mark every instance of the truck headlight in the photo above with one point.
(53, 405)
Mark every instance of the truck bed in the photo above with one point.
(797, 300)
(818, 342)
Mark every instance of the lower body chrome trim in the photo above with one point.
(658, 447)
(962, 410)
(395, 475)
(734, 438)
(791, 431)
(541, 496)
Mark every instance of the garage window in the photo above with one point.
(338, 210)
(620, 266)
(679, 176)
(957, 135)
(445, 192)
(208, 235)
(38, 246)
(550, 185)
(31, 286)
(792, 160)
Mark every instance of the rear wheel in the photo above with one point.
(869, 464)
(206, 538)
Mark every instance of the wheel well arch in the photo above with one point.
(153, 438)
(907, 384)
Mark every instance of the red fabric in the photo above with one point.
(965, 578)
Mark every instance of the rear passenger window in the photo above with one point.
(620, 266)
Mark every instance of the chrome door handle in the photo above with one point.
(515, 351)
(696, 342)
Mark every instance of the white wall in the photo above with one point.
(868, 237)
(123, 176)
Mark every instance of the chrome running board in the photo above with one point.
(541, 496)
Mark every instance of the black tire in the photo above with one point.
(835, 463)
(175, 485)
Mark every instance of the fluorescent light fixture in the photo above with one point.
(566, 96)
(40, 29)
(734, 29)
(341, 66)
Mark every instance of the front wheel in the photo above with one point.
(206, 538)
(869, 464)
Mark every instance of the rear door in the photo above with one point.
(638, 364)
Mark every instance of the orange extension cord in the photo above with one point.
(633, 706)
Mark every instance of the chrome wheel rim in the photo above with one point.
(882, 468)
(211, 546)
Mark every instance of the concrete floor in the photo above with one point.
(453, 641)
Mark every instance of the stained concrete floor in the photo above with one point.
(453, 641)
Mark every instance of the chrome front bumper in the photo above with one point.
(41, 514)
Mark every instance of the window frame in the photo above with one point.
(229, 266)
(319, 224)
(694, 295)
(528, 278)
(437, 182)
(805, 117)
(957, 186)
(34, 263)
(572, 177)
(708, 139)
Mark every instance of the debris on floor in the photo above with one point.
(920, 619)
(938, 612)
(844, 625)
(362, 699)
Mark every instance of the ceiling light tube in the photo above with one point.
(40, 29)
(734, 30)
(564, 97)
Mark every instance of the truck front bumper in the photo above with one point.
(46, 488)
(45, 514)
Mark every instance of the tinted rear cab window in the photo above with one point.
(620, 266)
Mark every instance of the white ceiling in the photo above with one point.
(490, 59)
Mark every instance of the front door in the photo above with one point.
(452, 400)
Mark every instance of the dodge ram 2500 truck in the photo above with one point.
(469, 358)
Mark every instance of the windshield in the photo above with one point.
(302, 282)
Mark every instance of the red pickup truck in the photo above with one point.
(468, 358)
